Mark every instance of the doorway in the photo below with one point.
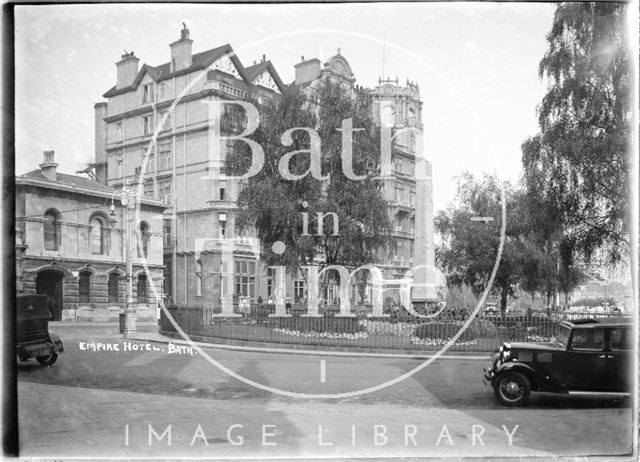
(49, 282)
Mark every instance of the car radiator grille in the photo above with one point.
(35, 336)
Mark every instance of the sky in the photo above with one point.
(476, 65)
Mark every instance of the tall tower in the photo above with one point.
(408, 186)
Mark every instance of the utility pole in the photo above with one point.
(127, 200)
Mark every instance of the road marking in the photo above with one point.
(323, 371)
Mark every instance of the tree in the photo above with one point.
(275, 205)
(469, 248)
(578, 165)
(551, 263)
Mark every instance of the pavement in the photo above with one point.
(164, 401)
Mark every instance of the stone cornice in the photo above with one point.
(84, 261)
(80, 191)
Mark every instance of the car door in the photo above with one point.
(619, 350)
(586, 360)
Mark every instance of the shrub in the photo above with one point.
(384, 327)
(443, 331)
(483, 328)
(321, 324)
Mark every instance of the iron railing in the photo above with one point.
(394, 332)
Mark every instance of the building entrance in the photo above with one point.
(49, 282)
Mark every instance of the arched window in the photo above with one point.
(198, 278)
(145, 236)
(98, 234)
(51, 234)
(142, 288)
(84, 287)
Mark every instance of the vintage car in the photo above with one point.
(33, 337)
(586, 356)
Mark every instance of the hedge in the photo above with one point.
(322, 324)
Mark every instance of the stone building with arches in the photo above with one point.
(70, 246)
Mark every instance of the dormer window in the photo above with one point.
(147, 93)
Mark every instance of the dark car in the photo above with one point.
(587, 355)
(33, 337)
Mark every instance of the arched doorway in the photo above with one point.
(49, 282)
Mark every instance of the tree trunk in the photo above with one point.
(503, 300)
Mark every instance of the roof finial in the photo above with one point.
(184, 33)
(339, 50)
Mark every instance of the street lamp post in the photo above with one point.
(127, 200)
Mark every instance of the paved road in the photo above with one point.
(99, 403)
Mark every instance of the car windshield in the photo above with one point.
(563, 335)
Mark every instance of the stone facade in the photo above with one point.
(173, 165)
(69, 245)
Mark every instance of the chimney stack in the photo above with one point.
(100, 156)
(127, 70)
(307, 71)
(181, 57)
(48, 166)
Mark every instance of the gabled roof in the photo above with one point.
(255, 71)
(163, 71)
(68, 180)
(200, 61)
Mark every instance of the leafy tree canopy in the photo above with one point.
(577, 167)
(530, 260)
(469, 248)
(274, 205)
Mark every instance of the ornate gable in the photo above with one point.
(338, 66)
(224, 64)
(266, 80)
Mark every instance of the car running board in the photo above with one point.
(599, 393)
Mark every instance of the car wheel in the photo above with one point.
(48, 360)
(512, 389)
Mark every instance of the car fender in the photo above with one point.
(538, 380)
(57, 342)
